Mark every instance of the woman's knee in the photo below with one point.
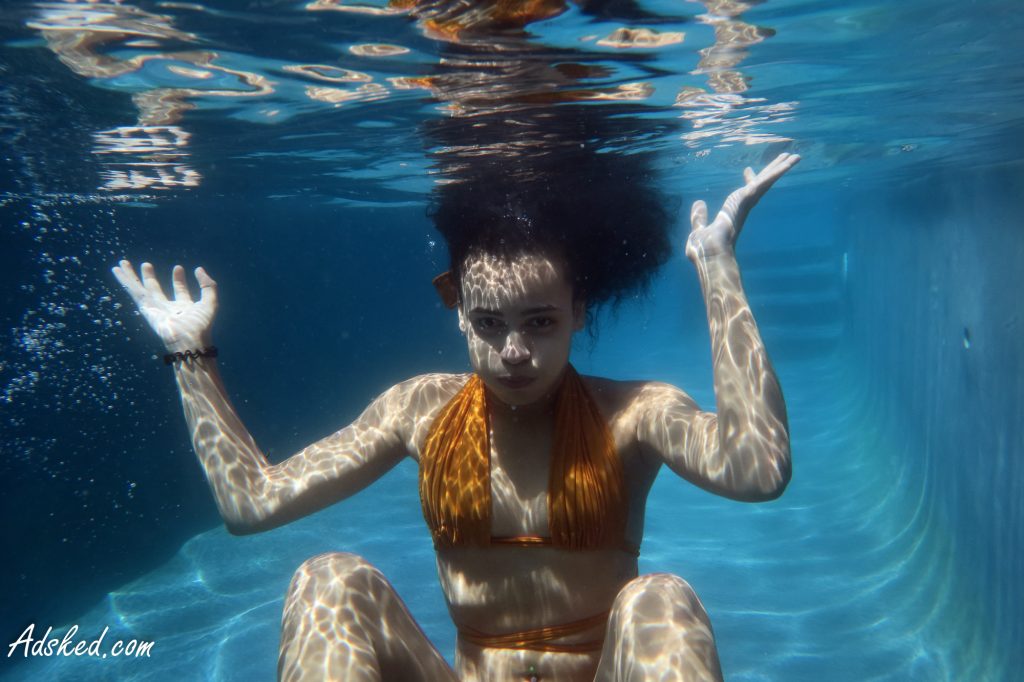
(659, 630)
(323, 627)
(338, 570)
(665, 584)
(335, 564)
(654, 592)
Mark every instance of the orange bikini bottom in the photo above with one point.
(541, 639)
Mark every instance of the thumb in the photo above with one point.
(699, 215)
(207, 288)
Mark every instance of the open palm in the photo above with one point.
(180, 323)
(720, 236)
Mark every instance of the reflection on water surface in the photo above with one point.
(428, 59)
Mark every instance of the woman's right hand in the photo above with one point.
(182, 324)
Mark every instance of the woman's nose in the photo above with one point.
(515, 351)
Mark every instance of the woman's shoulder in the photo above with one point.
(423, 390)
(421, 397)
(416, 402)
(615, 388)
(436, 381)
(628, 398)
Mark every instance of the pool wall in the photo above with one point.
(934, 282)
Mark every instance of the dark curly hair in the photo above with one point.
(554, 185)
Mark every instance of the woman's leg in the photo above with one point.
(658, 630)
(343, 621)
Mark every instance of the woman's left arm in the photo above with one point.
(742, 452)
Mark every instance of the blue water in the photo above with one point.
(885, 274)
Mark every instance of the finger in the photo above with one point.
(784, 163)
(180, 286)
(207, 288)
(779, 166)
(125, 274)
(149, 281)
(781, 163)
(749, 175)
(699, 215)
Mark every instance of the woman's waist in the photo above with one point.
(562, 650)
(578, 636)
(533, 590)
(475, 664)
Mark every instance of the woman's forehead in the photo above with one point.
(492, 282)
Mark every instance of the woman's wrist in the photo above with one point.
(189, 343)
(186, 356)
(717, 271)
(704, 257)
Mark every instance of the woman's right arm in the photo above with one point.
(252, 494)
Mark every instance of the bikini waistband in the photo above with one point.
(541, 541)
(541, 639)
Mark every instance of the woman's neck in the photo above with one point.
(541, 410)
(537, 412)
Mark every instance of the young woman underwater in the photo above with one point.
(533, 479)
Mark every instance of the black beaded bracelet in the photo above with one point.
(208, 352)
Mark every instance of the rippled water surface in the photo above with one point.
(331, 94)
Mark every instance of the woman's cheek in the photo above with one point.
(480, 352)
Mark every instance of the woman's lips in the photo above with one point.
(516, 382)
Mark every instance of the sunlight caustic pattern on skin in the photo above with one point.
(343, 621)
(659, 630)
(492, 284)
(254, 495)
(743, 450)
(327, 620)
(750, 459)
(518, 314)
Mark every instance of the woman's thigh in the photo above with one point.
(658, 630)
(343, 620)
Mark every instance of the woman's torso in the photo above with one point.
(503, 589)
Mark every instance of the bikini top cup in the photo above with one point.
(586, 492)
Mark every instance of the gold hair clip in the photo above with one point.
(446, 289)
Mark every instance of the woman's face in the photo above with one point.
(518, 317)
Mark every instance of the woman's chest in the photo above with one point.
(520, 475)
(525, 468)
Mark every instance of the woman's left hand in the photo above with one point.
(720, 236)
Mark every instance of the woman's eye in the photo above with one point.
(541, 322)
(487, 324)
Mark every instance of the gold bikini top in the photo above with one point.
(587, 503)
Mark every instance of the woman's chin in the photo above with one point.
(521, 397)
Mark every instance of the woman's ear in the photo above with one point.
(579, 315)
(447, 289)
(462, 320)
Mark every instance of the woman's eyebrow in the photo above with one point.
(529, 311)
